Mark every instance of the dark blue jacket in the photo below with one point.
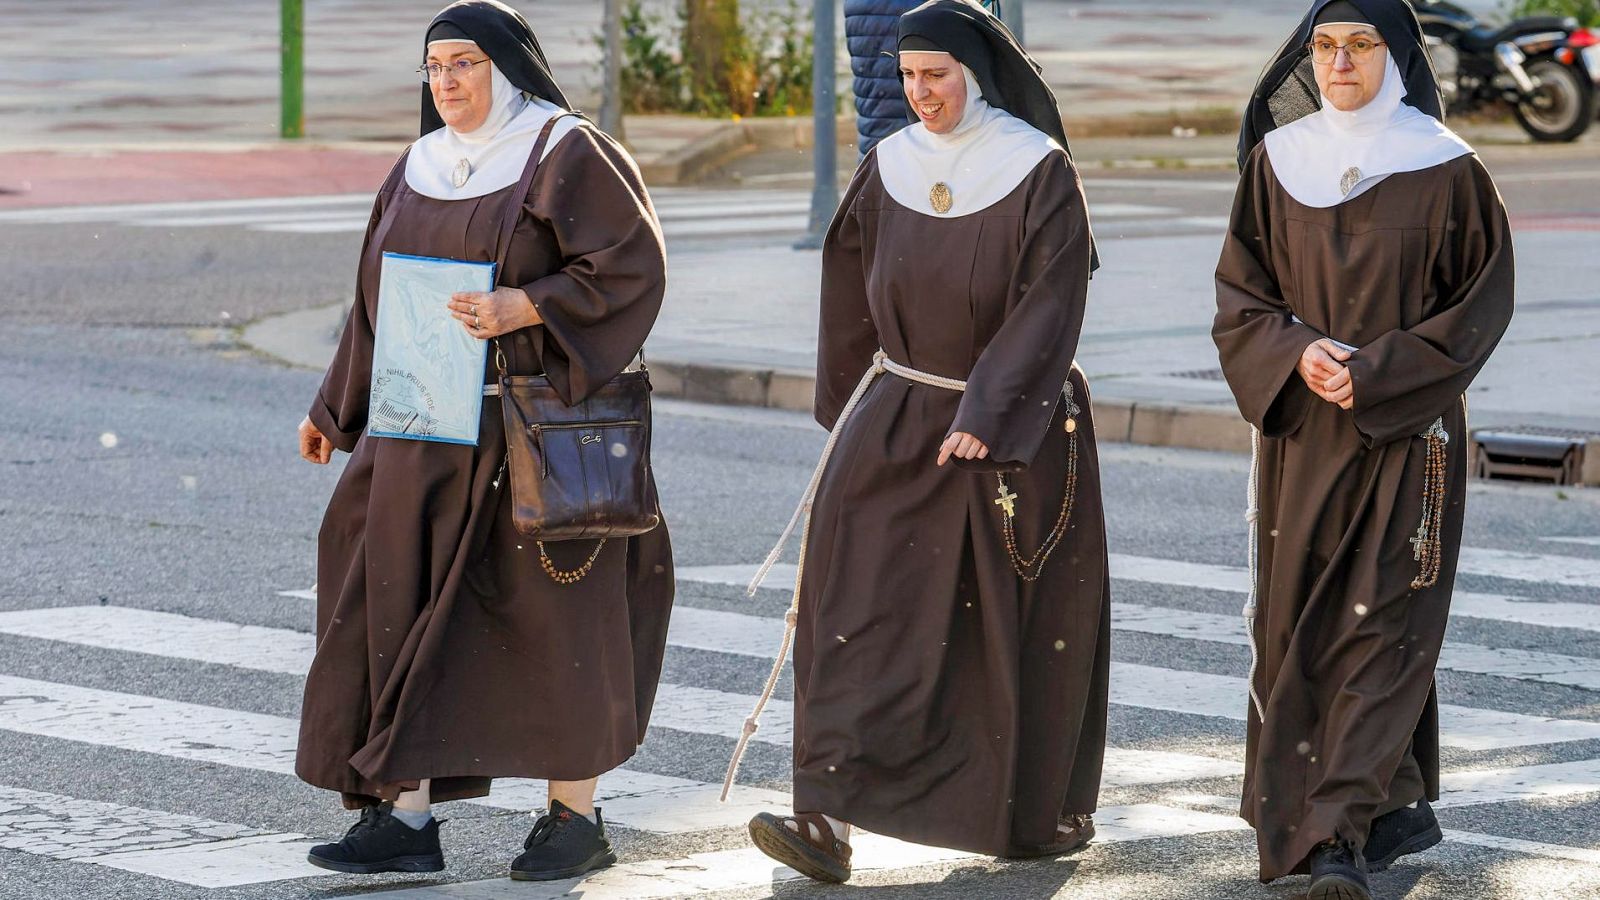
(869, 28)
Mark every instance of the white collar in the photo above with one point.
(1332, 155)
(493, 155)
(980, 161)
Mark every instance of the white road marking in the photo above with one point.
(1587, 541)
(66, 214)
(1210, 577)
(1529, 848)
(1222, 696)
(178, 848)
(1571, 571)
(1523, 665)
(728, 870)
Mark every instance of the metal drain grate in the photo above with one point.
(1529, 453)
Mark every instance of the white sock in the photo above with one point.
(415, 819)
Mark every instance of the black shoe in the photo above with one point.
(1338, 873)
(1403, 831)
(382, 843)
(563, 844)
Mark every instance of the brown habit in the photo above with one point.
(1417, 273)
(938, 697)
(443, 649)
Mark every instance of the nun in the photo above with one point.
(1365, 279)
(450, 649)
(952, 630)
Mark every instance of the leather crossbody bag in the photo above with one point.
(582, 471)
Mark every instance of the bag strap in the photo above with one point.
(513, 212)
(508, 221)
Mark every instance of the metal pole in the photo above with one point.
(824, 126)
(611, 102)
(293, 68)
(1013, 19)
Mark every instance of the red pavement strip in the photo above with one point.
(91, 177)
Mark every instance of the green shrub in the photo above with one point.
(1587, 12)
(763, 64)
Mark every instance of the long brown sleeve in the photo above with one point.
(600, 306)
(846, 336)
(1408, 377)
(340, 409)
(1013, 390)
(1257, 339)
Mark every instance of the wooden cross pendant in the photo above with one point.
(1007, 501)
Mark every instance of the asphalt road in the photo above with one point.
(147, 464)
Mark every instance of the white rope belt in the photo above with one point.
(801, 519)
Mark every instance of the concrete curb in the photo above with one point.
(1191, 427)
(689, 163)
(305, 339)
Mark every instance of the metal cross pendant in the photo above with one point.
(1007, 501)
(1418, 541)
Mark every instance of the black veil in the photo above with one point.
(503, 34)
(1287, 90)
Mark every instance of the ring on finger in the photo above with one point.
(476, 322)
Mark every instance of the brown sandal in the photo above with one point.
(1073, 834)
(1076, 832)
(824, 858)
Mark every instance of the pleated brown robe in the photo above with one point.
(938, 697)
(1417, 273)
(444, 651)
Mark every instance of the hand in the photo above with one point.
(962, 446)
(314, 445)
(488, 316)
(1340, 389)
(1320, 363)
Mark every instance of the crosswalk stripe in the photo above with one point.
(69, 214)
(1570, 571)
(1477, 839)
(1220, 696)
(1522, 665)
(1585, 540)
(1232, 579)
(1517, 845)
(247, 740)
(1148, 687)
(728, 870)
(713, 712)
(678, 707)
(254, 218)
(166, 845)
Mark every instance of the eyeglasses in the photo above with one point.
(1360, 50)
(461, 68)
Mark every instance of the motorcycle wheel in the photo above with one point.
(1563, 106)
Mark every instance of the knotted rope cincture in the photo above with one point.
(802, 520)
(1252, 515)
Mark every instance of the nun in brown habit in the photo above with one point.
(447, 652)
(1366, 278)
(952, 647)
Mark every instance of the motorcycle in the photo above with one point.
(1546, 68)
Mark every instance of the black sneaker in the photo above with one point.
(1338, 873)
(563, 844)
(1403, 831)
(382, 843)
